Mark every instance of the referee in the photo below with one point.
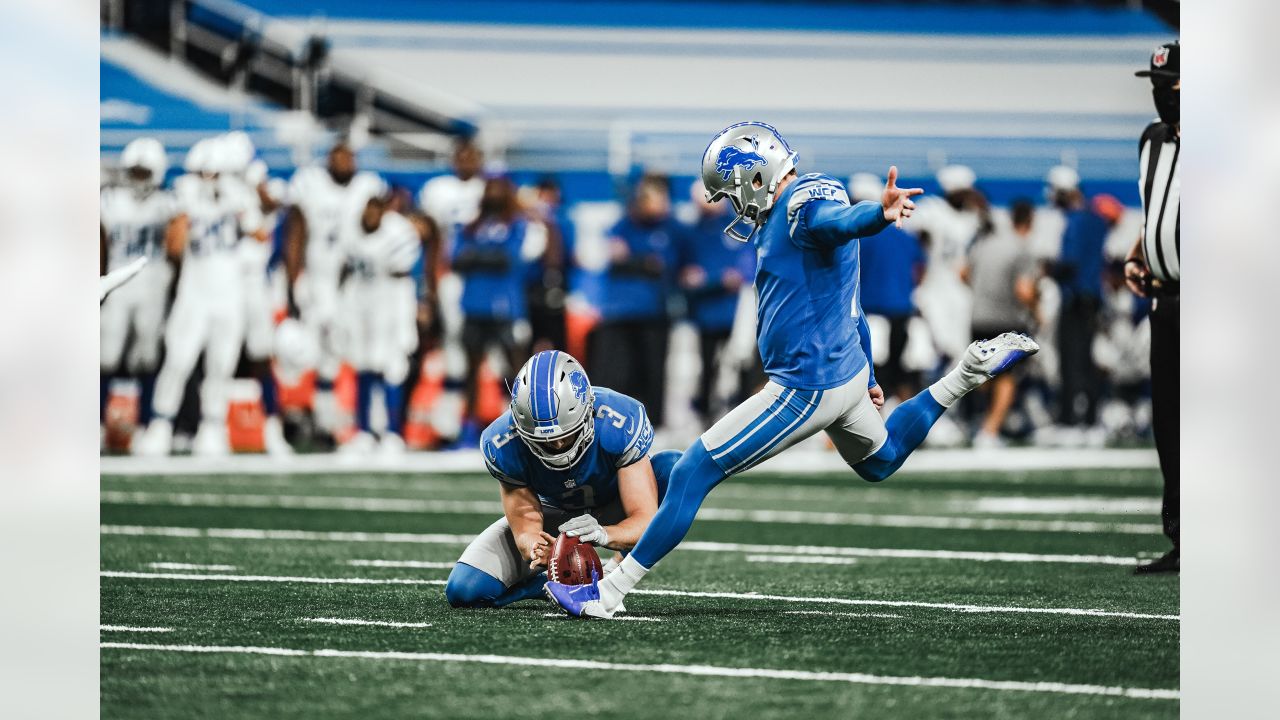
(1152, 269)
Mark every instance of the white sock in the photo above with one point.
(955, 385)
(621, 581)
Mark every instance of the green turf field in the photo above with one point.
(982, 595)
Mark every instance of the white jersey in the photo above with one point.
(381, 295)
(220, 212)
(135, 225)
(451, 202)
(328, 208)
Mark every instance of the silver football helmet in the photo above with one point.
(745, 162)
(553, 407)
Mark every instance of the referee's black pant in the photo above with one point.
(1165, 405)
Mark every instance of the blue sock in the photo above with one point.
(393, 398)
(104, 392)
(270, 396)
(663, 463)
(146, 391)
(691, 478)
(469, 587)
(907, 425)
(529, 589)
(365, 382)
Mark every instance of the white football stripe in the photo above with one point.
(840, 614)
(562, 616)
(377, 623)
(188, 566)
(485, 507)
(672, 593)
(420, 564)
(696, 545)
(802, 559)
(132, 628)
(697, 670)
(1077, 505)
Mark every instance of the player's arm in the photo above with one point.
(175, 236)
(834, 222)
(638, 490)
(295, 250)
(524, 515)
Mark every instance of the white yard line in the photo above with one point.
(910, 603)
(802, 559)
(792, 462)
(672, 593)
(696, 670)
(840, 614)
(485, 507)
(132, 628)
(637, 618)
(268, 578)
(700, 546)
(1065, 505)
(421, 564)
(188, 566)
(377, 623)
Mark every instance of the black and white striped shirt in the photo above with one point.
(1161, 189)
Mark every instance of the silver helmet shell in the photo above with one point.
(552, 407)
(745, 162)
(146, 153)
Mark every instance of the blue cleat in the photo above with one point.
(578, 600)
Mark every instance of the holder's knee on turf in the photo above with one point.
(471, 588)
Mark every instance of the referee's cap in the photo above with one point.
(1164, 62)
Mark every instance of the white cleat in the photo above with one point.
(211, 440)
(391, 445)
(361, 443)
(995, 356)
(273, 438)
(155, 441)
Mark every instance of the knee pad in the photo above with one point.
(662, 463)
(469, 587)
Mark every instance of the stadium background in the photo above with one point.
(977, 568)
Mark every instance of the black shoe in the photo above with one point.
(1167, 563)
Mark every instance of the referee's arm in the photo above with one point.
(1137, 275)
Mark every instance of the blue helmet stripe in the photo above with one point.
(542, 391)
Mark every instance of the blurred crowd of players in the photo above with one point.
(332, 305)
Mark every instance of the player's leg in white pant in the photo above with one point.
(185, 335)
(226, 334)
(114, 331)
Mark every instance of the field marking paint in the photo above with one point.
(132, 628)
(638, 618)
(188, 566)
(1065, 505)
(421, 564)
(268, 578)
(794, 461)
(840, 614)
(671, 593)
(486, 507)
(910, 603)
(377, 623)
(696, 670)
(803, 559)
(696, 545)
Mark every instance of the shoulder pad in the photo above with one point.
(814, 186)
(622, 427)
(500, 446)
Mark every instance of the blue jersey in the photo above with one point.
(707, 246)
(623, 435)
(889, 261)
(810, 328)
(488, 259)
(637, 288)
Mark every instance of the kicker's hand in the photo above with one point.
(540, 550)
(877, 396)
(587, 529)
(896, 201)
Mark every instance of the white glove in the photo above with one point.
(587, 529)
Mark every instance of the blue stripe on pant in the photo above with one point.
(698, 471)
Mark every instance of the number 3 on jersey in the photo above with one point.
(616, 418)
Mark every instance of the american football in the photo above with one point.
(823, 354)
(573, 562)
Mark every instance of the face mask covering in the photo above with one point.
(1166, 98)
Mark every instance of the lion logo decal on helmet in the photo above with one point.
(731, 157)
(581, 387)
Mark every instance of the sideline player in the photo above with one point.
(208, 310)
(814, 341)
(325, 201)
(571, 458)
(381, 250)
(136, 218)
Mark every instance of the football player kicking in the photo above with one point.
(569, 458)
(813, 339)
